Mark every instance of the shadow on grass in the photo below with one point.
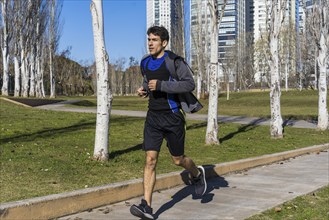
(255, 123)
(214, 181)
(195, 126)
(47, 133)
(120, 152)
(50, 132)
(84, 103)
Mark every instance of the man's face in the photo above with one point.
(156, 46)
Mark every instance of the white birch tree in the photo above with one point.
(5, 38)
(41, 53)
(212, 123)
(18, 24)
(104, 95)
(51, 45)
(199, 36)
(199, 50)
(320, 31)
(276, 11)
(55, 7)
(25, 39)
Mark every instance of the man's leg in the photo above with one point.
(198, 173)
(151, 158)
(144, 210)
(187, 163)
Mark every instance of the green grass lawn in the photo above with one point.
(294, 104)
(44, 152)
(313, 206)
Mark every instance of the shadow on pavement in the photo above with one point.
(213, 183)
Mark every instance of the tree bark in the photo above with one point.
(52, 49)
(17, 77)
(5, 48)
(24, 72)
(277, 10)
(322, 59)
(275, 94)
(212, 124)
(104, 95)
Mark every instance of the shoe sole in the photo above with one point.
(138, 213)
(204, 179)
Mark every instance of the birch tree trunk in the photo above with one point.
(277, 11)
(5, 48)
(40, 80)
(322, 60)
(198, 48)
(17, 32)
(104, 95)
(17, 77)
(5, 78)
(33, 71)
(36, 54)
(25, 34)
(323, 118)
(52, 48)
(24, 72)
(212, 124)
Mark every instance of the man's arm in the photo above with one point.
(185, 82)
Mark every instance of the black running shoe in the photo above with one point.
(142, 211)
(200, 182)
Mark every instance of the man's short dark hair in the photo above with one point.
(159, 31)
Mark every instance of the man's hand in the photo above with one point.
(152, 84)
(141, 92)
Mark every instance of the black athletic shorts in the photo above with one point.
(167, 125)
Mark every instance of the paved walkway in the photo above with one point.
(234, 196)
(202, 117)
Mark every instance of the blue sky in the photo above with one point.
(124, 28)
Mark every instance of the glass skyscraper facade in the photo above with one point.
(232, 26)
(243, 23)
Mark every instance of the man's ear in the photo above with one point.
(164, 43)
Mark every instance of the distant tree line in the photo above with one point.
(31, 65)
(30, 32)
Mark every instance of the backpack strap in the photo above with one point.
(143, 64)
(172, 65)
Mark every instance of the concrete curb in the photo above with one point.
(57, 205)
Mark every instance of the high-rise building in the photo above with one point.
(259, 18)
(249, 16)
(231, 32)
(169, 14)
(158, 12)
(289, 33)
(232, 26)
(302, 14)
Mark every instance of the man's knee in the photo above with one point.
(151, 161)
